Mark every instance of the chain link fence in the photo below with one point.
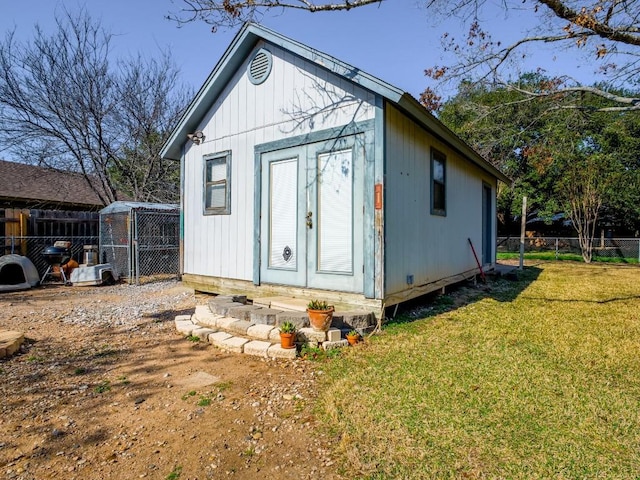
(142, 243)
(626, 250)
(33, 246)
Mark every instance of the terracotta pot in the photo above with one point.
(353, 339)
(287, 340)
(320, 320)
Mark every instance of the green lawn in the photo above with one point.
(573, 257)
(538, 378)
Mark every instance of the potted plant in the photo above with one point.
(287, 335)
(320, 315)
(353, 337)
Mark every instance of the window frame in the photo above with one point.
(226, 209)
(438, 156)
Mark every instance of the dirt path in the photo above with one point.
(104, 388)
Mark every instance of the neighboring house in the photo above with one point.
(304, 176)
(33, 187)
(40, 205)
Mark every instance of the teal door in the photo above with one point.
(312, 215)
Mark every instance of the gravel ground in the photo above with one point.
(105, 388)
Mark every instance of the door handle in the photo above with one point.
(309, 220)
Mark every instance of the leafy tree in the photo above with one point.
(605, 30)
(567, 160)
(65, 104)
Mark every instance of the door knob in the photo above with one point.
(309, 220)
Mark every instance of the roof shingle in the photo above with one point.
(32, 184)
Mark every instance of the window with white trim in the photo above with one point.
(217, 183)
(438, 182)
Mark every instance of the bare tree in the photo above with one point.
(151, 101)
(606, 30)
(64, 104)
(229, 13)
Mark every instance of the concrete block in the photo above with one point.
(261, 332)
(338, 344)
(239, 326)
(204, 316)
(224, 322)
(223, 308)
(185, 327)
(266, 316)
(183, 317)
(242, 312)
(299, 319)
(309, 334)
(229, 299)
(218, 337)
(257, 348)
(337, 321)
(264, 302)
(276, 351)
(202, 333)
(274, 335)
(356, 320)
(234, 344)
(334, 335)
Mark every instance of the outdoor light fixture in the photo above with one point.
(196, 137)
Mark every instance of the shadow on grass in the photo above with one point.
(500, 288)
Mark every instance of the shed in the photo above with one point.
(140, 239)
(305, 176)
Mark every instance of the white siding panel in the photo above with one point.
(298, 97)
(429, 247)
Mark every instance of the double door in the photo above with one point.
(312, 215)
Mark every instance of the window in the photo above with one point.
(438, 178)
(217, 176)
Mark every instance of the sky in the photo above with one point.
(394, 41)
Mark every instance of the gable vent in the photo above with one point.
(259, 67)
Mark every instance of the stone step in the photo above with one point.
(258, 334)
(277, 310)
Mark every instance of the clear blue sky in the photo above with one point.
(394, 41)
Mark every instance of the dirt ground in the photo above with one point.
(104, 388)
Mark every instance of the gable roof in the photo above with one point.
(32, 185)
(242, 45)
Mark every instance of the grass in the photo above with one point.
(572, 257)
(103, 387)
(538, 379)
(175, 473)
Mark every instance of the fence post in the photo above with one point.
(556, 248)
(523, 226)
(639, 250)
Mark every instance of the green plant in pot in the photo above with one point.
(320, 315)
(287, 335)
(353, 337)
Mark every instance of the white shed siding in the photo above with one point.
(298, 97)
(429, 247)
